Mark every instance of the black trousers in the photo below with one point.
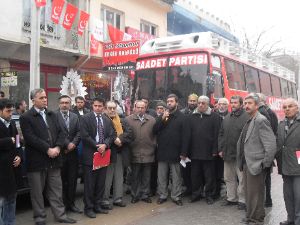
(141, 176)
(94, 186)
(268, 185)
(203, 178)
(69, 174)
(219, 173)
(186, 175)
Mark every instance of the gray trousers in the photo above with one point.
(255, 195)
(163, 172)
(235, 188)
(50, 180)
(291, 193)
(114, 175)
(140, 185)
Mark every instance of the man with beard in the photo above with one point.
(256, 149)
(80, 108)
(186, 172)
(229, 134)
(170, 129)
(201, 137)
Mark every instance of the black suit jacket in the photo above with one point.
(85, 111)
(38, 141)
(88, 131)
(7, 154)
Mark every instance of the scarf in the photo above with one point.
(117, 125)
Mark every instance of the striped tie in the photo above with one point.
(100, 130)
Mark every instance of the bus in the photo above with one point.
(207, 64)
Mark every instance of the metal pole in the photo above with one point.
(34, 47)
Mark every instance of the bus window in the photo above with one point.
(252, 81)
(284, 88)
(265, 83)
(294, 91)
(276, 86)
(218, 91)
(235, 75)
(291, 90)
(216, 61)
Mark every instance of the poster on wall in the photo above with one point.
(120, 55)
(9, 79)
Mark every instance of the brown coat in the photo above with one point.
(142, 148)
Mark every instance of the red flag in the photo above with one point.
(114, 33)
(94, 45)
(84, 17)
(57, 7)
(69, 17)
(40, 3)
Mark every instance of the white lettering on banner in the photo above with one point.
(180, 60)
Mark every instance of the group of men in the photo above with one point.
(239, 145)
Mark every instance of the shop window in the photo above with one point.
(112, 17)
(265, 83)
(148, 28)
(235, 75)
(252, 80)
(15, 92)
(276, 86)
(284, 88)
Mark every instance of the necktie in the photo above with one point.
(66, 118)
(42, 113)
(100, 130)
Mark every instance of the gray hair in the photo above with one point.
(225, 100)
(204, 98)
(253, 96)
(262, 97)
(294, 101)
(111, 102)
(34, 92)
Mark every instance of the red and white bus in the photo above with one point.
(207, 64)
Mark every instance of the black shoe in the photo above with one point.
(228, 203)
(67, 220)
(107, 207)
(74, 209)
(134, 200)
(209, 200)
(120, 204)
(286, 223)
(178, 202)
(90, 214)
(40, 223)
(99, 210)
(195, 199)
(147, 200)
(241, 206)
(161, 200)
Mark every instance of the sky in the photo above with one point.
(280, 19)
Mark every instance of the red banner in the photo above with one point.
(57, 7)
(94, 45)
(139, 35)
(83, 19)
(114, 33)
(70, 15)
(40, 3)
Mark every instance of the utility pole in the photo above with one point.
(34, 47)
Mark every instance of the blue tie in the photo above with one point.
(100, 130)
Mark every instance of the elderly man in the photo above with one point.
(202, 136)
(288, 160)
(142, 151)
(256, 149)
(44, 140)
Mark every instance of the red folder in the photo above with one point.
(101, 160)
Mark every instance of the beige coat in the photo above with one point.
(142, 149)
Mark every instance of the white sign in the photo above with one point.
(9, 81)
(97, 29)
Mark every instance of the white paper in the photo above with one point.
(184, 162)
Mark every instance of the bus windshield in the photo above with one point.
(181, 75)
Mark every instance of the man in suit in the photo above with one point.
(256, 149)
(80, 108)
(8, 160)
(43, 143)
(69, 123)
(97, 134)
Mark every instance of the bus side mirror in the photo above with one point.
(210, 84)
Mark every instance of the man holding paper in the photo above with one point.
(97, 134)
(288, 160)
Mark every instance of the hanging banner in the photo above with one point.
(117, 35)
(69, 17)
(97, 29)
(57, 6)
(83, 19)
(139, 35)
(94, 45)
(40, 3)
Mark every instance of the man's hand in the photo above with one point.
(221, 154)
(17, 161)
(71, 147)
(118, 142)
(53, 152)
(13, 140)
(166, 115)
(101, 148)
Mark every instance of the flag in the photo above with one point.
(40, 3)
(69, 17)
(97, 29)
(94, 44)
(83, 19)
(57, 6)
(114, 33)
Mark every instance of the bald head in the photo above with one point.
(290, 108)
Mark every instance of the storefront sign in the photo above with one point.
(9, 81)
(179, 60)
(121, 53)
(138, 35)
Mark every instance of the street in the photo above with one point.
(198, 213)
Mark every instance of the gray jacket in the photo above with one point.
(287, 147)
(259, 145)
